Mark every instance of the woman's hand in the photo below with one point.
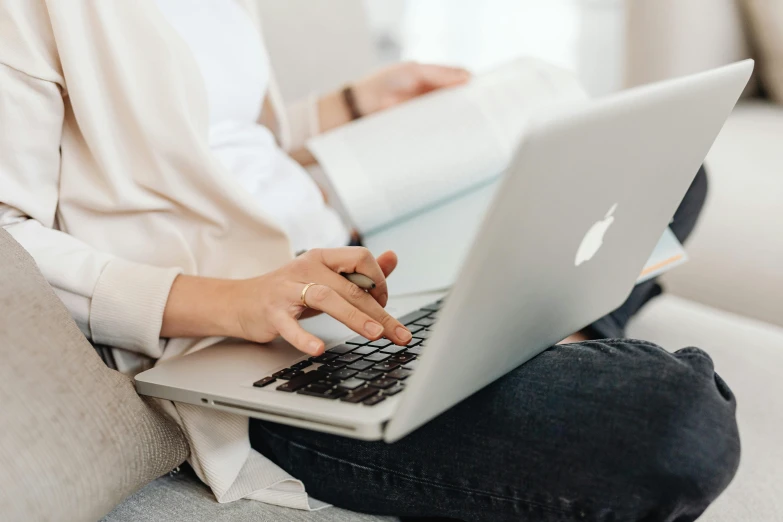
(386, 88)
(264, 307)
(403, 82)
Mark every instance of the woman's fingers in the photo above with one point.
(355, 260)
(301, 339)
(439, 76)
(363, 301)
(324, 298)
(388, 262)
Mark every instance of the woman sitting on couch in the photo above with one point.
(134, 169)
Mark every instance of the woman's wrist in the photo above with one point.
(201, 307)
(332, 111)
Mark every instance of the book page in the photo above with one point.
(399, 162)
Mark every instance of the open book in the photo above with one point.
(418, 178)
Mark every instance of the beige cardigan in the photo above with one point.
(107, 179)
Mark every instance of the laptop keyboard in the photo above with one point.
(360, 371)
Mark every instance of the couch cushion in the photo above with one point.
(181, 497)
(737, 249)
(766, 19)
(75, 439)
(749, 355)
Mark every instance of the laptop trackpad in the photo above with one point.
(237, 361)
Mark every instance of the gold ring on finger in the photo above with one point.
(304, 293)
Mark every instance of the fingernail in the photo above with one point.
(374, 329)
(315, 347)
(403, 334)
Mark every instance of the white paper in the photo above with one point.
(401, 161)
(432, 246)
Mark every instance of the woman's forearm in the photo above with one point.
(265, 307)
(199, 307)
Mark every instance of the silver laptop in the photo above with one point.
(576, 217)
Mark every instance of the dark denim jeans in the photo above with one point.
(613, 430)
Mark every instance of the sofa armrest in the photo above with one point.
(668, 38)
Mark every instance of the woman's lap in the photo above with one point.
(608, 430)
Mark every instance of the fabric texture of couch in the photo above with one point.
(75, 438)
(183, 497)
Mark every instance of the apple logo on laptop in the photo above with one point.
(594, 239)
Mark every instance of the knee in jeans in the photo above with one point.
(696, 450)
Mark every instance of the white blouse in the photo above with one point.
(235, 68)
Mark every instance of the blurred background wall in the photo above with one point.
(582, 35)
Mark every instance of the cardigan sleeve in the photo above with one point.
(303, 122)
(114, 302)
(294, 123)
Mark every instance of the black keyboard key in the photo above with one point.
(351, 384)
(301, 365)
(368, 376)
(297, 383)
(319, 387)
(425, 321)
(424, 334)
(393, 349)
(360, 394)
(289, 375)
(375, 399)
(349, 358)
(416, 350)
(359, 340)
(365, 350)
(360, 365)
(399, 374)
(413, 316)
(386, 366)
(325, 358)
(341, 375)
(332, 366)
(377, 357)
(394, 390)
(341, 349)
(414, 328)
(383, 383)
(266, 381)
(331, 393)
(380, 343)
(281, 372)
(403, 358)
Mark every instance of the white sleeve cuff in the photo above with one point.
(127, 306)
(303, 122)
